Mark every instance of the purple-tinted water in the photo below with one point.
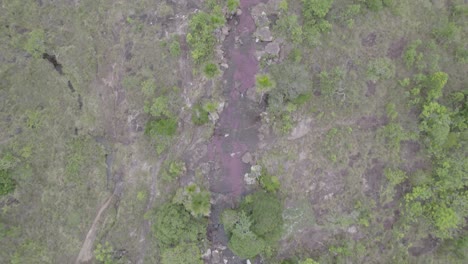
(236, 130)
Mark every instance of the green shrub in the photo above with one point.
(435, 83)
(211, 70)
(161, 127)
(174, 225)
(392, 114)
(184, 253)
(381, 69)
(35, 45)
(148, 87)
(174, 170)
(411, 55)
(314, 9)
(200, 37)
(194, 199)
(159, 108)
(268, 182)
(447, 32)
(374, 5)
(103, 253)
(7, 184)
(199, 115)
(174, 48)
(308, 261)
(288, 26)
(243, 242)
(435, 125)
(264, 83)
(395, 176)
(232, 5)
(267, 216)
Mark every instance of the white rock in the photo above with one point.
(352, 230)
(247, 158)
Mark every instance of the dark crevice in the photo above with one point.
(80, 102)
(52, 59)
(72, 89)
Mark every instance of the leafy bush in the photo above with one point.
(35, 45)
(184, 253)
(313, 14)
(159, 108)
(435, 84)
(200, 37)
(161, 127)
(199, 115)
(211, 70)
(381, 69)
(255, 226)
(435, 125)
(268, 182)
(411, 55)
(264, 83)
(374, 5)
(7, 184)
(288, 26)
(173, 225)
(103, 253)
(194, 199)
(174, 170)
(267, 217)
(395, 177)
(232, 5)
(174, 48)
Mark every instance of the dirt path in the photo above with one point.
(86, 252)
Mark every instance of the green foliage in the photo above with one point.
(7, 184)
(435, 124)
(148, 87)
(161, 127)
(411, 55)
(264, 83)
(444, 219)
(392, 114)
(381, 69)
(314, 9)
(256, 226)
(174, 48)
(199, 115)
(435, 84)
(8, 161)
(330, 81)
(393, 133)
(174, 170)
(267, 216)
(308, 261)
(243, 242)
(268, 182)
(103, 253)
(173, 225)
(35, 45)
(232, 5)
(288, 26)
(461, 55)
(211, 70)
(245, 245)
(194, 199)
(184, 253)
(395, 176)
(291, 81)
(448, 31)
(200, 37)
(313, 14)
(374, 5)
(160, 107)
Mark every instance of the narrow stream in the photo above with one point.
(237, 129)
